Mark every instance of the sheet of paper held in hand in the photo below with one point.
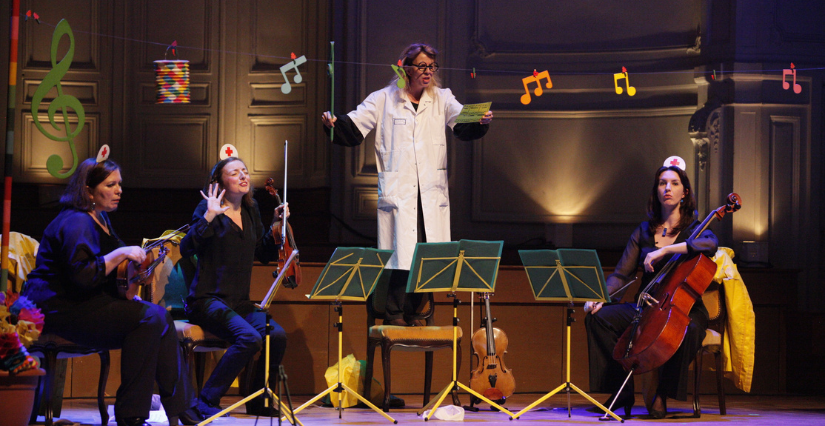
(472, 113)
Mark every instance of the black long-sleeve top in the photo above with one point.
(348, 134)
(225, 255)
(643, 241)
(70, 270)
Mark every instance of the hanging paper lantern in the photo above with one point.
(172, 78)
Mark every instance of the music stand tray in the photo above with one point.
(350, 274)
(565, 275)
(466, 265)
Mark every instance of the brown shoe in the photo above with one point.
(397, 321)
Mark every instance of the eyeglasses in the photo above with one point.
(432, 67)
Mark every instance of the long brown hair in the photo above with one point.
(687, 208)
(87, 177)
(217, 177)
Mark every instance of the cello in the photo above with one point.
(660, 322)
(492, 379)
(131, 275)
(286, 243)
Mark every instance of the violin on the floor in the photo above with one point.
(492, 379)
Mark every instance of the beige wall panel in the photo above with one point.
(170, 145)
(523, 29)
(365, 202)
(565, 167)
(84, 17)
(85, 91)
(267, 146)
(37, 148)
(270, 95)
(161, 24)
(786, 174)
(278, 30)
(83, 373)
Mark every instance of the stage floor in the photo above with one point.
(751, 410)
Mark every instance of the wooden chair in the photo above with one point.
(714, 299)
(420, 339)
(53, 348)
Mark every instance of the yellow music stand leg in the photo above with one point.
(455, 383)
(283, 408)
(567, 385)
(340, 387)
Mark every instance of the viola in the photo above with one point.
(661, 320)
(132, 275)
(492, 379)
(286, 243)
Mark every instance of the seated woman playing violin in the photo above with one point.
(671, 211)
(74, 284)
(227, 237)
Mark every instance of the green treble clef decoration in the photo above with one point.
(63, 101)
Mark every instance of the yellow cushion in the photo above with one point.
(397, 333)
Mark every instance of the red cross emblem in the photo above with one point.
(229, 151)
(674, 162)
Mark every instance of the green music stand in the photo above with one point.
(350, 274)
(464, 265)
(565, 275)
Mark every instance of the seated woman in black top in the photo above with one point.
(227, 237)
(74, 284)
(671, 210)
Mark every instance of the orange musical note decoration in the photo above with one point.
(797, 88)
(535, 78)
(286, 87)
(631, 91)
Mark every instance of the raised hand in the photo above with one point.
(487, 117)
(213, 202)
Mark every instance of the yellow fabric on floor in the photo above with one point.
(740, 331)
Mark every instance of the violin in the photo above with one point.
(492, 379)
(660, 322)
(286, 242)
(132, 275)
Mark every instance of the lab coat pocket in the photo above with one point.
(390, 160)
(387, 191)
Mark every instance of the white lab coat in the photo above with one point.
(411, 153)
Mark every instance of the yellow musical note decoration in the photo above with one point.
(631, 91)
(63, 101)
(535, 78)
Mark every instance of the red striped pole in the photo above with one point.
(12, 96)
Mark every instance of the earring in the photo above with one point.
(682, 201)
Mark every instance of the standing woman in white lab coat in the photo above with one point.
(411, 154)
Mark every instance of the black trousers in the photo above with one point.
(150, 350)
(400, 304)
(603, 331)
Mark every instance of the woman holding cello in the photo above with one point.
(671, 209)
(74, 284)
(227, 236)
